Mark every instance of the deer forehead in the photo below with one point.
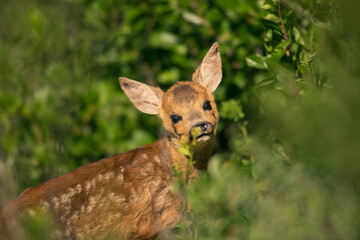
(185, 95)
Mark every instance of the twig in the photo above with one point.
(334, 8)
(285, 33)
(283, 30)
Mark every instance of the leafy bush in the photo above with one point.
(286, 159)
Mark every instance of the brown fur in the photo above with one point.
(129, 196)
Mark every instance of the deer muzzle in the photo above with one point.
(204, 131)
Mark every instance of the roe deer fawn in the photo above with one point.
(128, 196)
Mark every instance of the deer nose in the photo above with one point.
(203, 127)
(206, 128)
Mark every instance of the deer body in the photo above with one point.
(129, 196)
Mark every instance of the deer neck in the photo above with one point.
(201, 155)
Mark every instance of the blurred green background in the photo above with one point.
(286, 160)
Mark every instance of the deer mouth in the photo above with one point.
(203, 137)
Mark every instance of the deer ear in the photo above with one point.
(145, 98)
(209, 72)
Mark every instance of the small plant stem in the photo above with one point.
(284, 32)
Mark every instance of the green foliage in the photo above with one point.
(286, 163)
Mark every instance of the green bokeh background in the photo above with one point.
(286, 160)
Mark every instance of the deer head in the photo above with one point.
(186, 105)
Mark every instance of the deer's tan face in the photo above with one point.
(186, 105)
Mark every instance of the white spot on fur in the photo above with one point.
(148, 170)
(108, 175)
(73, 218)
(66, 209)
(144, 156)
(55, 201)
(92, 203)
(66, 197)
(120, 178)
(115, 198)
(78, 188)
(150, 167)
(72, 192)
(63, 198)
(87, 186)
(100, 177)
(45, 205)
(93, 183)
(157, 159)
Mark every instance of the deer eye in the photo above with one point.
(207, 106)
(175, 118)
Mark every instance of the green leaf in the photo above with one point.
(266, 7)
(298, 38)
(169, 76)
(184, 150)
(192, 18)
(232, 109)
(268, 36)
(256, 61)
(163, 39)
(273, 18)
